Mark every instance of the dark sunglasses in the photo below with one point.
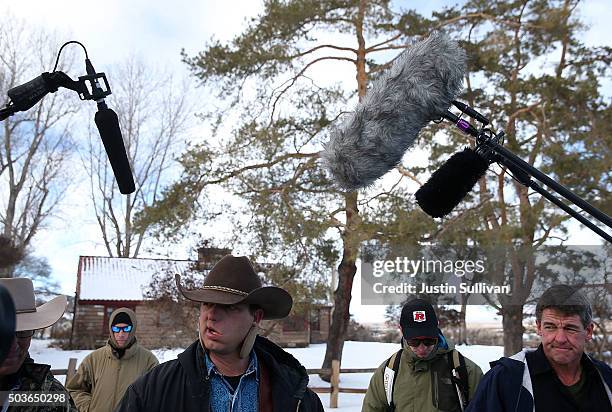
(117, 329)
(23, 334)
(415, 342)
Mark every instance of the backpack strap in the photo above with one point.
(389, 378)
(459, 376)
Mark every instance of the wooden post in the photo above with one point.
(335, 384)
(71, 371)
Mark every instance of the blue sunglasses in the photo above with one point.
(117, 329)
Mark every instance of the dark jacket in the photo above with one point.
(37, 377)
(183, 384)
(508, 387)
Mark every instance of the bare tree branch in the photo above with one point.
(35, 145)
(299, 74)
(153, 115)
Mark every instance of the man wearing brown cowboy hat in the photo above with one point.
(229, 368)
(18, 372)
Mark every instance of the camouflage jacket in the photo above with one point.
(36, 377)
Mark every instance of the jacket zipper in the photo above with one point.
(116, 379)
(435, 389)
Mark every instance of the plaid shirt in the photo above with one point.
(37, 377)
(223, 398)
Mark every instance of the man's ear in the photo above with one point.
(539, 327)
(258, 316)
(589, 331)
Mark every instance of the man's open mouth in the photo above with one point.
(213, 331)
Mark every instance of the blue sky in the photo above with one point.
(158, 30)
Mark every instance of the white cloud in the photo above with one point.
(157, 29)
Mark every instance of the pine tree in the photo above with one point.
(531, 74)
(272, 158)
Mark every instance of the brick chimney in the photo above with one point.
(208, 256)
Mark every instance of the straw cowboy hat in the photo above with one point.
(29, 316)
(233, 280)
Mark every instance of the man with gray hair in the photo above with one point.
(558, 376)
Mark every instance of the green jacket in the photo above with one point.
(104, 375)
(37, 377)
(421, 385)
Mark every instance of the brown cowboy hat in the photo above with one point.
(233, 280)
(30, 316)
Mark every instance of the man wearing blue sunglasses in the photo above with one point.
(105, 374)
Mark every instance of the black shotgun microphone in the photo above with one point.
(448, 185)
(108, 126)
(418, 87)
(25, 96)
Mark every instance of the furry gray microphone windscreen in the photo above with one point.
(417, 88)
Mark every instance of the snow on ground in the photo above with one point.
(355, 355)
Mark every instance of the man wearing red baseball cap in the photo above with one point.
(427, 374)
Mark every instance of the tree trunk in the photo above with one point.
(342, 296)
(340, 314)
(512, 321)
(351, 239)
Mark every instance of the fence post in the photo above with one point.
(335, 384)
(71, 371)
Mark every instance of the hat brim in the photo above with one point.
(275, 302)
(424, 332)
(46, 315)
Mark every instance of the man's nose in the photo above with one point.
(212, 311)
(561, 335)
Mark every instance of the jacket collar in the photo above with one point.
(287, 375)
(538, 364)
(422, 364)
(252, 366)
(192, 362)
(286, 372)
(36, 372)
(128, 352)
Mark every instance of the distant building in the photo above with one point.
(310, 324)
(107, 283)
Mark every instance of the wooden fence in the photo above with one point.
(70, 372)
(333, 390)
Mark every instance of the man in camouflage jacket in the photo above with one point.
(36, 377)
(20, 377)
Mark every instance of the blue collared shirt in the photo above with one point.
(223, 398)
